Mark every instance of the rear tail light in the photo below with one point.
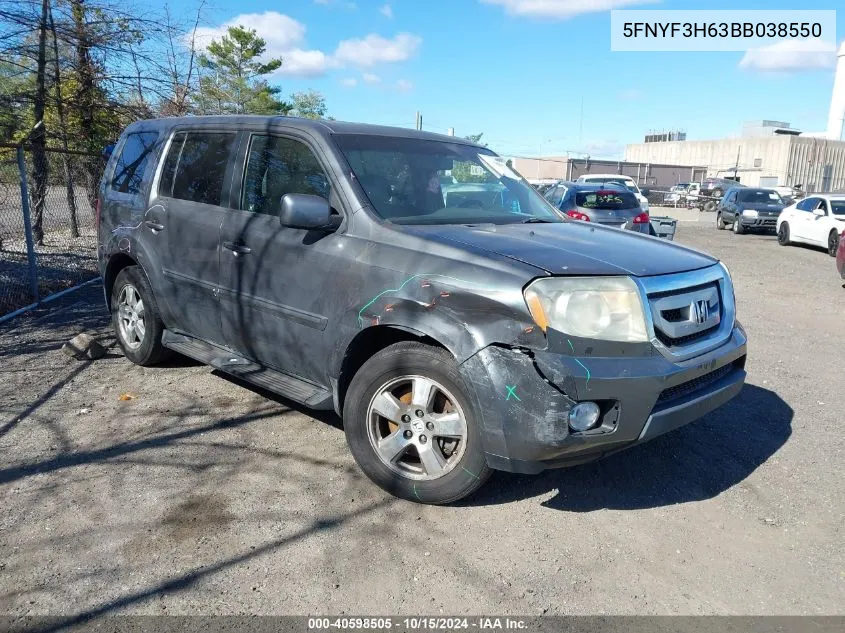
(577, 215)
(642, 218)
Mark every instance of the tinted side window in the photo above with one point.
(276, 166)
(132, 162)
(556, 194)
(807, 203)
(195, 167)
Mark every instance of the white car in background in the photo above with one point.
(627, 181)
(818, 219)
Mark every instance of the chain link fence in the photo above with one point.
(57, 248)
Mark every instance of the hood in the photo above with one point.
(572, 248)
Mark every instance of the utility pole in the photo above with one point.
(736, 167)
(419, 120)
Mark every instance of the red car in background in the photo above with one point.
(840, 256)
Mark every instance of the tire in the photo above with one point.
(832, 243)
(397, 370)
(737, 227)
(720, 223)
(141, 346)
(783, 234)
(709, 206)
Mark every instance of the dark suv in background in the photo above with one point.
(749, 208)
(454, 334)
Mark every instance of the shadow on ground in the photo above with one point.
(696, 462)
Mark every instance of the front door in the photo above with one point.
(274, 300)
(186, 216)
(803, 218)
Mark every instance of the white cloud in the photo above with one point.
(281, 32)
(370, 78)
(386, 11)
(405, 85)
(375, 49)
(285, 38)
(791, 55)
(630, 94)
(349, 82)
(562, 9)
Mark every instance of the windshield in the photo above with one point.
(607, 200)
(759, 196)
(630, 185)
(416, 181)
(837, 207)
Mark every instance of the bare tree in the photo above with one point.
(38, 139)
(60, 111)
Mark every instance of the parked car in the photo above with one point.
(818, 219)
(717, 187)
(318, 260)
(626, 181)
(840, 255)
(609, 204)
(747, 208)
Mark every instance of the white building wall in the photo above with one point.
(765, 157)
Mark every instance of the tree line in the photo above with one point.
(74, 73)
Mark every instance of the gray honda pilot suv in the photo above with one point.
(454, 333)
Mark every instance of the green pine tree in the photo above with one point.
(234, 77)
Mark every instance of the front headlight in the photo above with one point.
(749, 213)
(604, 308)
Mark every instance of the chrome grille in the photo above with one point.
(689, 313)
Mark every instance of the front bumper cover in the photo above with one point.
(524, 397)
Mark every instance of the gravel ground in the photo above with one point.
(176, 490)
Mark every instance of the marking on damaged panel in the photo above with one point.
(512, 392)
(424, 284)
(572, 347)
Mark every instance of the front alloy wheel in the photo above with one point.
(417, 427)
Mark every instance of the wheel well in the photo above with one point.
(116, 264)
(368, 343)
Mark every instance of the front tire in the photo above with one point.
(136, 318)
(783, 234)
(720, 223)
(737, 227)
(832, 243)
(411, 426)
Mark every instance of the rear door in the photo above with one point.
(185, 218)
(276, 295)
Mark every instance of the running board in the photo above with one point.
(226, 361)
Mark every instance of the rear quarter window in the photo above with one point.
(132, 162)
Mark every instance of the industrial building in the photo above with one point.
(767, 153)
(646, 174)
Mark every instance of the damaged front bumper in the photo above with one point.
(523, 398)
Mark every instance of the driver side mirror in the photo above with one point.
(819, 212)
(304, 211)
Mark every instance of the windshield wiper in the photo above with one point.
(537, 221)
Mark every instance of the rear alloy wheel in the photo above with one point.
(783, 234)
(410, 425)
(136, 319)
(737, 227)
(720, 223)
(832, 243)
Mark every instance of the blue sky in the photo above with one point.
(519, 70)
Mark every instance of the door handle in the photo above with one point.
(237, 248)
(155, 226)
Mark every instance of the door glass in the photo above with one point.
(132, 162)
(195, 167)
(277, 166)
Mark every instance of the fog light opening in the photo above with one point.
(584, 416)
